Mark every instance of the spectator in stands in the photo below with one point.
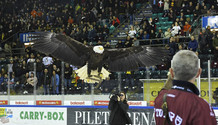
(187, 28)
(196, 12)
(39, 69)
(213, 10)
(167, 36)
(24, 83)
(70, 20)
(128, 42)
(209, 37)
(190, 8)
(55, 81)
(202, 38)
(176, 29)
(67, 77)
(7, 48)
(171, 15)
(119, 44)
(160, 5)
(47, 62)
(56, 69)
(12, 82)
(131, 11)
(46, 81)
(132, 32)
(11, 67)
(193, 44)
(115, 21)
(2, 85)
(129, 81)
(215, 46)
(91, 34)
(146, 35)
(105, 31)
(23, 67)
(31, 82)
(152, 36)
(140, 34)
(30, 62)
(3, 71)
(166, 6)
(107, 45)
(159, 35)
(172, 46)
(204, 9)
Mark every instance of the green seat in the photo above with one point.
(138, 6)
(166, 27)
(165, 19)
(158, 24)
(154, 15)
(169, 23)
(158, 28)
(163, 23)
(160, 14)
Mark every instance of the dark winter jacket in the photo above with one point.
(118, 114)
(193, 44)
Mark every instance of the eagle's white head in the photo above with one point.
(98, 49)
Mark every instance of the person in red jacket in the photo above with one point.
(181, 105)
(116, 21)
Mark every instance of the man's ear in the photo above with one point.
(199, 72)
(171, 72)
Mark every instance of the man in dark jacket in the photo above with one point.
(46, 81)
(193, 44)
(181, 105)
(203, 40)
(118, 106)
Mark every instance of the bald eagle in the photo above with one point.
(95, 60)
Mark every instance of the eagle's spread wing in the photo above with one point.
(61, 46)
(134, 57)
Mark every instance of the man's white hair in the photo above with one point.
(185, 65)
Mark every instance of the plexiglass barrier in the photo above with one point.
(37, 81)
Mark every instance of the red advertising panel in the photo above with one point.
(3, 102)
(99, 102)
(48, 102)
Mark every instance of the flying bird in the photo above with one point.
(95, 62)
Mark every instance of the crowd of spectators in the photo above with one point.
(85, 20)
(182, 14)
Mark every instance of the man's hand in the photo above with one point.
(216, 47)
(118, 98)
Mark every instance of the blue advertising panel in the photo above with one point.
(24, 37)
(211, 21)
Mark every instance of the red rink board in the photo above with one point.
(48, 102)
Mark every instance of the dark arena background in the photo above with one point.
(29, 93)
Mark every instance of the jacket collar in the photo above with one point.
(185, 86)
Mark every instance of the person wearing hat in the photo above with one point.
(181, 105)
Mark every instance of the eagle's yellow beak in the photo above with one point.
(101, 48)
